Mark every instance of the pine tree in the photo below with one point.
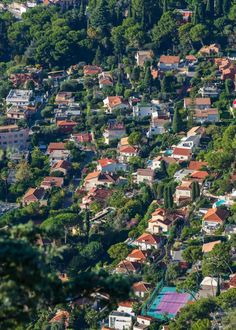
(177, 122)
(195, 190)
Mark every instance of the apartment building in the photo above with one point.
(12, 136)
(20, 97)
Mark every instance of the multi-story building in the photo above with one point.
(20, 97)
(14, 137)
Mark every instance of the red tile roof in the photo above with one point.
(215, 215)
(196, 165)
(148, 239)
(169, 59)
(182, 152)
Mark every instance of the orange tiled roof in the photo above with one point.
(215, 215)
(169, 59)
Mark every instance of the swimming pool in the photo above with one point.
(168, 152)
(220, 202)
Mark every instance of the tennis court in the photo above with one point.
(167, 303)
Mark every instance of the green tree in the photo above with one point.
(168, 197)
(118, 251)
(198, 33)
(135, 138)
(177, 124)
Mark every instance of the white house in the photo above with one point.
(126, 307)
(190, 142)
(120, 321)
(112, 103)
(148, 241)
(19, 97)
(157, 126)
(110, 165)
(143, 110)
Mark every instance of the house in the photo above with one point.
(142, 322)
(167, 63)
(206, 116)
(208, 287)
(127, 152)
(200, 103)
(199, 176)
(105, 80)
(195, 165)
(61, 317)
(213, 219)
(186, 14)
(33, 195)
(62, 166)
(126, 307)
(182, 154)
(156, 162)
(162, 220)
(182, 174)
(64, 98)
(183, 192)
(53, 146)
(51, 181)
(141, 110)
(148, 241)
(158, 126)
(190, 59)
(141, 289)
(91, 70)
(99, 178)
(66, 126)
(137, 256)
(213, 49)
(143, 56)
(110, 165)
(190, 142)
(114, 131)
(120, 321)
(209, 91)
(196, 130)
(208, 247)
(20, 112)
(82, 138)
(159, 226)
(20, 97)
(14, 137)
(128, 267)
(112, 103)
(98, 195)
(57, 155)
(145, 175)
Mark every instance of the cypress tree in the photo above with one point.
(165, 6)
(177, 122)
(147, 79)
(218, 8)
(163, 168)
(210, 9)
(168, 197)
(226, 6)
